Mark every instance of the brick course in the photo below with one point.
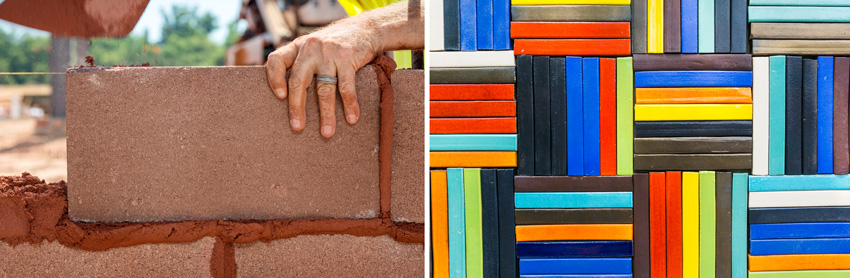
(330, 256)
(52, 259)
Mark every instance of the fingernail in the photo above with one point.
(351, 118)
(326, 130)
(281, 92)
(295, 123)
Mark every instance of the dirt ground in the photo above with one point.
(22, 151)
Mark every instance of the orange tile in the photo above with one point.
(574, 232)
(800, 262)
(472, 159)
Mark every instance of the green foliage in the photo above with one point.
(233, 33)
(185, 42)
(23, 54)
(186, 22)
(130, 50)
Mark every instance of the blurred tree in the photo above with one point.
(185, 42)
(24, 54)
(185, 21)
(185, 39)
(130, 50)
(233, 33)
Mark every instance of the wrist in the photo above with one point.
(374, 39)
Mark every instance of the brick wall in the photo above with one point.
(180, 232)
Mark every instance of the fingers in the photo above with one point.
(308, 57)
(348, 94)
(327, 100)
(278, 62)
(300, 78)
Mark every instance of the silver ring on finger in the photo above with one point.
(326, 79)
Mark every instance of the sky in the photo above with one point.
(224, 10)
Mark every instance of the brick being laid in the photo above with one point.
(203, 143)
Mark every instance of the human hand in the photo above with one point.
(338, 51)
(335, 51)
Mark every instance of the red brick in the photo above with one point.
(408, 181)
(148, 260)
(330, 256)
(148, 144)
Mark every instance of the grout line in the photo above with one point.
(384, 67)
(223, 260)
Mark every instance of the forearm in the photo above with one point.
(397, 26)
